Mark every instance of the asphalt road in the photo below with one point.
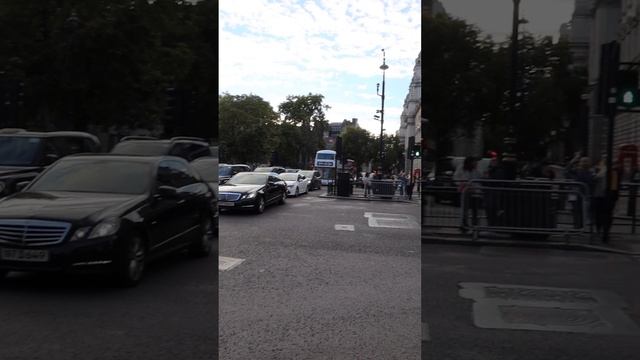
(449, 320)
(172, 314)
(307, 290)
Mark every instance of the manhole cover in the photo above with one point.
(513, 293)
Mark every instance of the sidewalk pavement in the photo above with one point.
(358, 194)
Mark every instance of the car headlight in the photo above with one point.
(105, 228)
(250, 195)
(81, 233)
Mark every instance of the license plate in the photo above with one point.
(25, 255)
(226, 203)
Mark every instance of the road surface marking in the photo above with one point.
(426, 336)
(228, 263)
(394, 221)
(345, 227)
(524, 307)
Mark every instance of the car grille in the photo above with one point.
(32, 232)
(229, 196)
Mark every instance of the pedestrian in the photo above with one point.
(402, 183)
(583, 173)
(366, 181)
(462, 177)
(410, 187)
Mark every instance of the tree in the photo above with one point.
(307, 112)
(356, 145)
(459, 89)
(247, 128)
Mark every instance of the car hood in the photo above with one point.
(10, 170)
(239, 188)
(290, 182)
(66, 206)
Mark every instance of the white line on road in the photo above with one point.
(345, 227)
(228, 263)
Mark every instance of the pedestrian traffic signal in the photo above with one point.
(417, 151)
(628, 88)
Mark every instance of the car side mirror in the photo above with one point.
(50, 159)
(167, 191)
(21, 185)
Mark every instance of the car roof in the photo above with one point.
(208, 158)
(48, 134)
(263, 172)
(136, 158)
(173, 140)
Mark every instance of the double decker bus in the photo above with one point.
(325, 162)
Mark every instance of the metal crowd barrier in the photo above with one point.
(525, 207)
(386, 189)
(538, 207)
(627, 209)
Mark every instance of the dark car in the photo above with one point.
(106, 213)
(314, 178)
(226, 171)
(24, 154)
(252, 191)
(273, 169)
(188, 148)
(207, 168)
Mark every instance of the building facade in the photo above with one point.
(410, 117)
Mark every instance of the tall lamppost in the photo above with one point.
(383, 67)
(510, 141)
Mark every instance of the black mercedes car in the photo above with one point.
(24, 154)
(106, 213)
(252, 191)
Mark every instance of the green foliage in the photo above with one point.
(109, 62)
(468, 82)
(357, 145)
(247, 129)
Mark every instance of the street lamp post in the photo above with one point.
(383, 67)
(510, 141)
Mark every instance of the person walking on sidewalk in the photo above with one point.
(604, 200)
(366, 182)
(465, 173)
(403, 183)
(410, 187)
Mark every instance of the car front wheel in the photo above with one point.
(259, 205)
(203, 246)
(132, 262)
(297, 192)
(283, 198)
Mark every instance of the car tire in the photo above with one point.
(260, 205)
(283, 198)
(202, 247)
(131, 262)
(297, 192)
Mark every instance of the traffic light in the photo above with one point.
(411, 147)
(628, 88)
(417, 151)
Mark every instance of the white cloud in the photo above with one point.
(279, 48)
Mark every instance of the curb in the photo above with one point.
(525, 244)
(416, 201)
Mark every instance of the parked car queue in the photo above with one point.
(103, 212)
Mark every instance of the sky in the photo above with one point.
(332, 47)
(494, 17)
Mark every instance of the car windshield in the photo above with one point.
(96, 176)
(263, 169)
(19, 150)
(207, 169)
(141, 148)
(289, 176)
(225, 170)
(248, 178)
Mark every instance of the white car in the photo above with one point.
(296, 183)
